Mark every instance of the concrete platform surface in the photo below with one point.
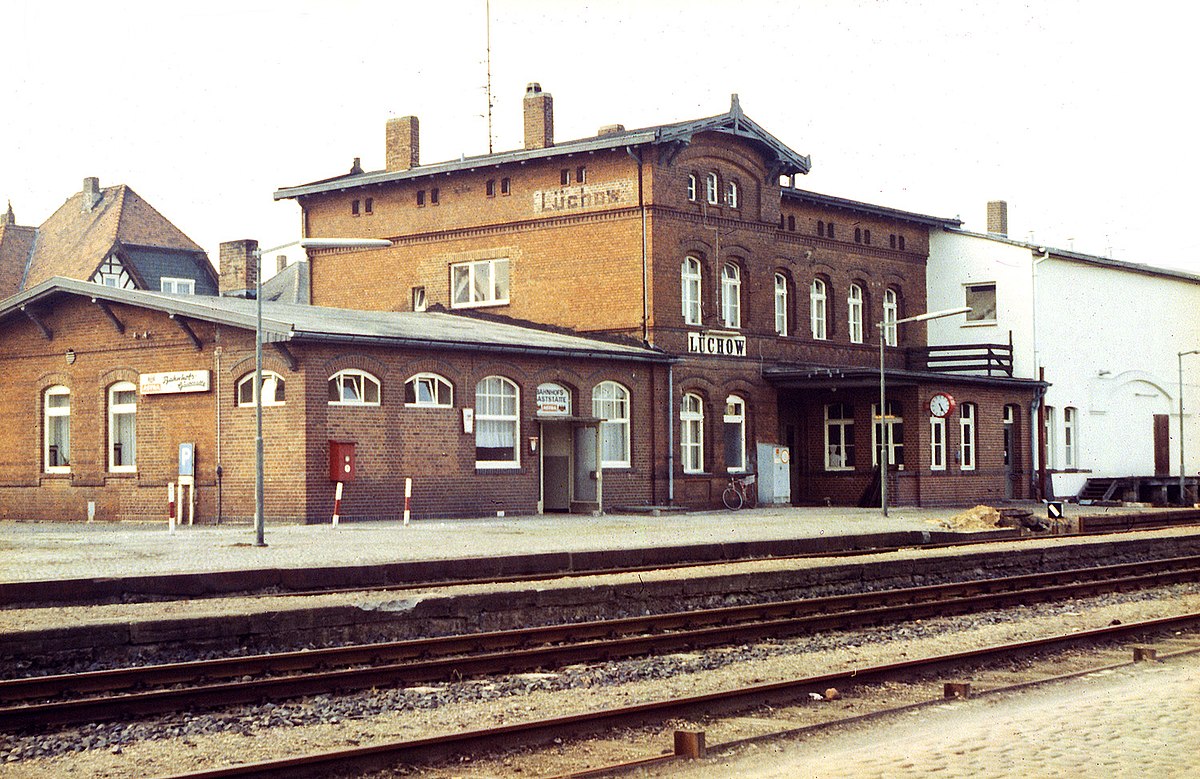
(58, 550)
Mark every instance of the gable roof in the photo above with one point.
(287, 322)
(732, 122)
(289, 285)
(74, 240)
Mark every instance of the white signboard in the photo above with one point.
(553, 401)
(170, 383)
(724, 344)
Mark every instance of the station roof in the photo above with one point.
(827, 377)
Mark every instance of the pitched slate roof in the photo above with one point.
(732, 122)
(287, 322)
(74, 240)
(289, 285)
(16, 243)
(829, 201)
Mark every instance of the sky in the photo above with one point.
(1079, 114)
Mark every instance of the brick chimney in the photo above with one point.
(8, 218)
(997, 217)
(403, 143)
(239, 268)
(91, 193)
(539, 117)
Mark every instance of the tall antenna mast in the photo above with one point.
(488, 11)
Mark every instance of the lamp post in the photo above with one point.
(1182, 471)
(306, 243)
(885, 432)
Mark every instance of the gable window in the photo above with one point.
(891, 438)
(937, 443)
(731, 294)
(839, 437)
(496, 423)
(57, 435)
(891, 312)
(610, 402)
(1070, 442)
(690, 282)
(691, 187)
(177, 286)
(982, 300)
(710, 188)
(781, 304)
(731, 194)
(419, 302)
(816, 301)
(428, 390)
(735, 433)
(854, 312)
(272, 389)
(122, 427)
(691, 433)
(353, 388)
(479, 283)
(505, 186)
(966, 421)
(112, 273)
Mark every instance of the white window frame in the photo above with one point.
(1070, 437)
(112, 273)
(731, 194)
(1048, 431)
(937, 443)
(691, 433)
(710, 188)
(967, 442)
(854, 313)
(438, 388)
(610, 403)
(781, 302)
(492, 296)
(121, 409)
(420, 300)
(838, 454)
(691, 187)
(896, 442)
(272, 380)
(691, 289)
(55, 412)
(176, 286)
(731, 295)
(735, 416)
(484, 390)
(891, 313)
(817, 296)
(1010, 432)
(973, 319)
(360, 382)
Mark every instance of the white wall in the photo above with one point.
(1107, 337)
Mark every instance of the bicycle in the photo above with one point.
(737, 494)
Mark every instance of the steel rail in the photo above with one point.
(685, 631)
(536, 731)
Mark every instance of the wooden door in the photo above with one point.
(1162, 445)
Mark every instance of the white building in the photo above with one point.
(1107, 333)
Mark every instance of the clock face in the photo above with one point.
(941, 404)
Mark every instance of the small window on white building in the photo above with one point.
(691, 434)
(122, 427)
(839, 437)
(57, 433)
(353, 388)
(428, 390)
(966, 420)
(735, 433)
(982, 300)
(1050, 439)
(1070, 438)
(479, 283)
(272, 389)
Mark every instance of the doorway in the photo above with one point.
(1162, 445)
(571, 479)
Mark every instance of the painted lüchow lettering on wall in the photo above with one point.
(583, 196)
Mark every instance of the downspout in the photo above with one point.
(217, 357)
(671, 434)
(637, 157)
(1038, 443)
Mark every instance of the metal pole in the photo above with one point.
(1182, 471)
(883, 428)
(258, 410)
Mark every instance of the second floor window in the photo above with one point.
(781, 304)
(690, 282)
(816, 301)
(854, 313)
(731, 294)
(891, 312)
(731, 194)
(982, 300)
(710, 188)
(479, 283)
(691, 187)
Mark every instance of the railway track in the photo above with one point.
(417, 751)
(139, 691)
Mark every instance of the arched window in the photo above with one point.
(735, 433)
(272, 389)
(781, 304)
(122, 427)
(839, 437)
(57, 438)
(690, 277)
(353, 387)
(858, 235)
(816, 301)
(731, 295)
(710, 188)
(891, 312)
(731, 194)
(854, 313)
(867, 237)
(496, 423)
(966, 421)
(428, 389)
(691, 434)
(691, 187)
(610, 402)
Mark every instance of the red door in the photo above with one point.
(1162, 445)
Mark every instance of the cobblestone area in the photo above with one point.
(1135, 721)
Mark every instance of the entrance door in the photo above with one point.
(1010, 451)
(586, 476)
(556, 467)
(1162, 445)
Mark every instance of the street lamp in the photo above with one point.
(316, 243)
(885, 432)
(1182, 471)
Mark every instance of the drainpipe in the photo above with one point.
(637, 157)
(670, 435)
(220, 493)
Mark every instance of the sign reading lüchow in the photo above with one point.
(724, 344)
(173, 382)
(583, 196)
